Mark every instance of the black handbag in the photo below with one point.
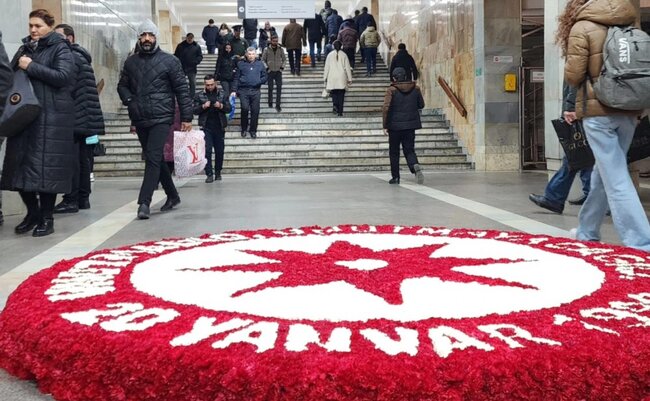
(22, 106)
(99, 150)
(640, 146)
(574, 142)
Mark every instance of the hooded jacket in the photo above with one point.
(225, 68)
(40, 159)
(148, 84)
(89, 119)
(265, 37)
(403, 59)
(370, 38)
(584, 59)
(402, 103)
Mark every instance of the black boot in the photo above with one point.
(66, 207)
(170, 203)
(44, 227)
(29, 222)
(143, 211)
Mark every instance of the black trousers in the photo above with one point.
(226, 85)
(153, 140)
(294, 59)
(191, 77)
(350, 53)
(406, 139)
(41, 205)
(81, 174)
(338, 97)
(250, 101)
(214, 139)
(275, 77)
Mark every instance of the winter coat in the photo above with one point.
(225, 69)
(250, 28)
(249, 75)
(6, 76)
(403, 59)
(40, 159)
(363, 20)
(337, 71)
(224, 38)
(265, 37)
(333, 23)
(315, 28)
(190, 55)
(148, 84)
(210, 34)
(584, 58)
(348, 37)
(402, 103)
(274, 59)
(239, 46)
(293, 36)
(89, 119)
(325, 13)
(370, 38)
(202, 97)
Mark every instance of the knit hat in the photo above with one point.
(399, 74)
(148, 27)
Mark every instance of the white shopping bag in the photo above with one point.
(189, 153)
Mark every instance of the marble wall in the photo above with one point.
(439, 34)
(107, 28)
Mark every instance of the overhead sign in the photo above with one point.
(274, 9)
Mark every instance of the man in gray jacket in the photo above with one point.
(274, 59)
(6, 82)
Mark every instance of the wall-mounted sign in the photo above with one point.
(274, 9)
(537, 76)
(503, 59)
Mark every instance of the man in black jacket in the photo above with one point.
(211, 36)
(211, 105)
(250, 31)
(403, 59)
(6, 82)
(314, 31)
(190, 55)
(149, 82)
(401, 117)
(362, 21)
(250, 76)
(89, 121)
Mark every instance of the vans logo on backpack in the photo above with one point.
(623, 51)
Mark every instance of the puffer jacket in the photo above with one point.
(348, 37)
(89, 119)
(190, 55)
(6, 76)
(250, 29)
(40, 159)
(264, 39)
(333, 24)
(225, 68)
(148, 84)
(584, 59)
(370, 38)
(401, 104)
(199, 100)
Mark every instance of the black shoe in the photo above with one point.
(278, 109)
(253, 135)
(217, 177)
(84, 204)
(2, 218)
(340, 114)
(270, 104)
(541, 201)
(419, 177)
(170, 203)
(209, 179)
(394, 180)
(579, 201)
(243, 134)
(66, 207)
(45, 227)
(28, 223)
(143, 212)
(334, 110)
(298, 73)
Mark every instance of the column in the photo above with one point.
(53, 6)
(177, 35)
(165, 28)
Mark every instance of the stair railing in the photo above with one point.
(452, 96)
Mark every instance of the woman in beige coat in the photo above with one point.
(581, 35)
(338, 76)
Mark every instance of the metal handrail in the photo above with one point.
(452, 96)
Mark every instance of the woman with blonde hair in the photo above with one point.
(39, 161)
(581, 35)
(338, 76)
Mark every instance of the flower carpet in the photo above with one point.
(337, 313)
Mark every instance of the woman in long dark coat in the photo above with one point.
(38, 161)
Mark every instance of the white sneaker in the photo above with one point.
(92, 177)
(573, 233)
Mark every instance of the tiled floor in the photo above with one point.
(451, 199)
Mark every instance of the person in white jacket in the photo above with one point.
(338, 76)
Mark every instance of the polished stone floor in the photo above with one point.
(450, 199)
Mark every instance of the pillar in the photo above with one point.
(177, 35)
(53, 6)
(165, 28)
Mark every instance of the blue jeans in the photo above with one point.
(610, 138)
(312, 46)
(371, 59)
(557, 189)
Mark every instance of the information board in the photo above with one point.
(275, 9)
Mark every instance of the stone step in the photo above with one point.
(331, 119)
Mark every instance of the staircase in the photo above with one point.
(306, 136)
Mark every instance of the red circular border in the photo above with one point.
(80, 363)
